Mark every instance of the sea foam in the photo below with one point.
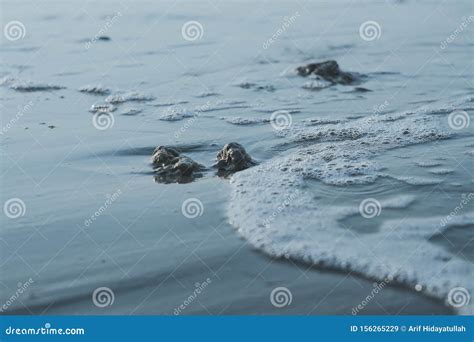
(310, 230)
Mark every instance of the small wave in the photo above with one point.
(412, 180)
(27, 86)
(297, 223)
(170, 103)
(322, 121)
(218, 105)
(441, 171)
(131, 111)
(428, 163)
(127, 97)
(207, 94)
(176, 114)
(240, 121)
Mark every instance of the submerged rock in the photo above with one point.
(27, 86)
(233, 158)
(171, 167)
(329, 70)
(94, 89)
(131, 111)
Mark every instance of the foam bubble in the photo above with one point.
(102, 107)
(130, 96)
(175, 114)
(441, 171)
(310, 230)
(237, 120)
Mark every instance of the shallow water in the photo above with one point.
(157, 79)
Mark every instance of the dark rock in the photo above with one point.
(246, 85)
(171, 167)
(163, 156)
(329, 70)
(361, 90)
(233, 158)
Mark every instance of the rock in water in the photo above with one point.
(163, 156)
(329, 70)
(171, 167)
(233, 158)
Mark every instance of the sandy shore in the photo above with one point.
(239, 279)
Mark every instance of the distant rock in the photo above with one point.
(131, 111)
(329, 70)
(27, 86)
(94, 89)
(249, 85)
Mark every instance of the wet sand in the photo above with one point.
(160, 275)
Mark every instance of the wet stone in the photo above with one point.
(329, 70)
(172, 167)
(233, 158)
